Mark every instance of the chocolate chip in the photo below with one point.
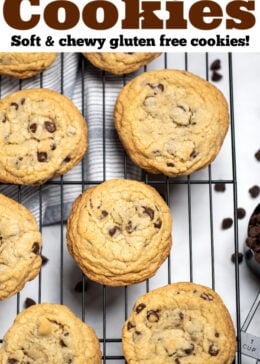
(42, 156)
(216, 76)
(114, 230)
(104, 213)
(153, 315)
(129, 227)
(220, 187)
(239, 257)
(44, 260)
(67, 159)
(148, 211)
(177, 361)
(62, 343)
(217, 334)
(50, 126)
(189, 350)
(53, 146)
(36, 248)
(254, 191)
(12, 361)
(227, 223)
(15, 105)
(79, 286)
(206, 296)
(33, 127)
(140, 307)
(158, 224)
(23, 101)
(257, 155)
(241, 213)
(169, 164)
(66, 333)
(181, 315)
(29, 302)
(194, 154)
(215, 65)
(213, 350)
(130, 325)
(4, 119)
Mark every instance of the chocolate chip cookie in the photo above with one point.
(42, 135)
(182, 323)
(25, 65)
(171, 122)
(20, 246)
(120, 63)
(119, 232)
(50, 333)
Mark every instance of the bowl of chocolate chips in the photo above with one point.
(252, 244)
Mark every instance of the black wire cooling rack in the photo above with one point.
(106, 308)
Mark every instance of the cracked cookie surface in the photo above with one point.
(119, 62)
(119, 232)
(182, 323)
(49, 333)
(171, 122)
(42, 135)
(25, 65)
(20, 246)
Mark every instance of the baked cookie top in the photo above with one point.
(120, 63)
(42, 135)
(119, 232)
(182, 323)
(25, 65)
(50, 333)
(20, 246)
(171, 122)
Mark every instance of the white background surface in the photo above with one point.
(110, 303)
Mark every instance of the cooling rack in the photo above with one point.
(201, 249)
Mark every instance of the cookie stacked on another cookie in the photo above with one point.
(25, 65)
(50, 333)
(182, 323)
(42, 135)
(120, 63)
(20, 247)
(119, 232)
(171, 122)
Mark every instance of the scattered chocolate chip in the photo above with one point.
(114, 230)
(130, 325)
(216, 76)
(149, 212)
(36, 248)
(254, 191)
(158, 224)
(227, 223)
(153, 315)
(189, 350)
(206, 296)
(62, 343)
(241, 213)
(15, 105)
(44, 260)
(33, 127)
(42, 156)
(50, 126)
(213, 350)
(29, 302)
(220, 187)
(215, 65)
(12, 361)
(239, 257)
(257, 155)
(79, 286)
(140, 307)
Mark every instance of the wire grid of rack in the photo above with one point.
(196, 209)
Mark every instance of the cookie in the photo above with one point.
(42, 135)
(120, 63)
(182, 323)
(25, 65)
(49, 333)
(171, 122)
(20, 247)
(119, 232)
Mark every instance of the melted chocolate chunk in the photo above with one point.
(153, 315)
(130, 325)
(50, 126)
(114, 230)
(33, 127)
(158, 224)
(220, 187)
(148, 211)
(36, 248)
(227, 223)
(206, 296)
(29, 302)
(254, 191)
(140, 307)
(15, 105)
(42, 157)
(213, 350)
